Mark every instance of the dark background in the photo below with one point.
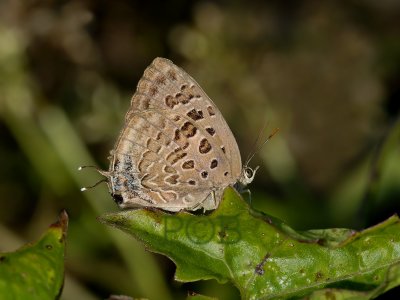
(327, 73)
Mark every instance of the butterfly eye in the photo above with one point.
(249, 173)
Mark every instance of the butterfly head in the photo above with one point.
(247, 175)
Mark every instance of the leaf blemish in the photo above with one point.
(318, 276)
(222, 234)
(259, 269)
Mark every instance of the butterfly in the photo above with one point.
(175, 151)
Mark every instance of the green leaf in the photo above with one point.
(264, 257)
(36, 271)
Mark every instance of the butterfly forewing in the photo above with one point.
(176, 150)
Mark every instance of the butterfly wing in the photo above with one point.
(175, 151)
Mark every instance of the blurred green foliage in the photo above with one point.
(327, 73)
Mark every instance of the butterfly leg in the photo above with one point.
(247, 191)
(210, 202)
(214, 198)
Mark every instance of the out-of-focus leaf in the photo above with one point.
(36, 271)
(264, 257)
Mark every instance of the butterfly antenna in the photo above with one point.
(84, 167)
(251, 154)
(104, 173)
(250, 157)
(94, 185)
